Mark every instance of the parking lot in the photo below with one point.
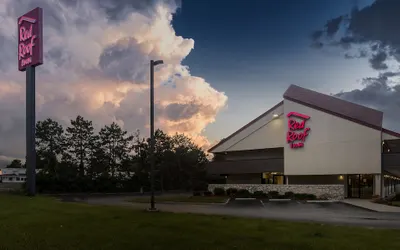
(326, 213)
(298, 206)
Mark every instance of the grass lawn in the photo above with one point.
(43, 223)
(396, 203)
(182, 198)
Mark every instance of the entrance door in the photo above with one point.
(360, 186)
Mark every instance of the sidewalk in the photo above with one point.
(367, 204)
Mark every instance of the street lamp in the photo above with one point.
(152, 142)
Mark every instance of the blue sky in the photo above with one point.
(253, 50)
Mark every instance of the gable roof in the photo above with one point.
(245, 126)
(332, 105)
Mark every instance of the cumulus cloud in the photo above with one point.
(370, 33)
(97, 55)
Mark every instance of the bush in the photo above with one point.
(208, 193)
(396, 197)
(219, 191)
(300, 196)
(196, 193)
(273, 194)
(289, 195)
(259, 194)
(231, 191)
(305, 196)
(311, 197)
(243, 193)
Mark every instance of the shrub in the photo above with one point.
(259, 194)
(196, 193)
(231, 191)
(219, 191)
(289, 195)
(208, 193)
(311, 197)
(396, 197)
(300, 196)
(273, 194)
(243, 193)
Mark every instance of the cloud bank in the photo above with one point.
(96, 55)
(370, 33)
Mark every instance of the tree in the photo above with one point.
(81, 142)
(116, 146)
(15, 164)
(49, 144)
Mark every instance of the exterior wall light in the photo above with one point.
(275, 115)
(341, 177)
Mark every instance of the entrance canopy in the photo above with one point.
(391, 156)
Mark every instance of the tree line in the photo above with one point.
(77, 159)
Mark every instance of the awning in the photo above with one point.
(245, 166)
(391, 163)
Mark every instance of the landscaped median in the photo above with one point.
(183, 199)
(221, 196)
(45, 223)
(272, 195)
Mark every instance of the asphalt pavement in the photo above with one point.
(324, 213)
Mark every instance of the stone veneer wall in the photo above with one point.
(332, 192)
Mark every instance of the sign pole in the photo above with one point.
(30, 130)
(30, 55)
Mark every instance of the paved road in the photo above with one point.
(327, 213)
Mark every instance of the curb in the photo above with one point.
(322, 201)
(183, 202)
(279, 199)
(361, 207)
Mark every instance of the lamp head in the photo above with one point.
(155, 63)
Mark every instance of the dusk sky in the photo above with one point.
(226, 61)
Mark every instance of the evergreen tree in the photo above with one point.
(81, 142)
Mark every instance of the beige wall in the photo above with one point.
(244, 179)
(334, 146)
(265, 133)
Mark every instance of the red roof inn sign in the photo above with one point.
(30, 55)
(30, 39)
(297, 130)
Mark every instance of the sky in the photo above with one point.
(225, 61)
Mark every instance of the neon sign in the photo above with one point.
(30, 42)
(297, 130)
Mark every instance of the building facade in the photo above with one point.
(13, 175)
(313, 139)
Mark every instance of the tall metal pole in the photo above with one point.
(152, 160)
(30, 131)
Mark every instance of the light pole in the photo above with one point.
(152, 141)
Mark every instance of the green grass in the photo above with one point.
(396, 203)
(182, 198)
(43, 223)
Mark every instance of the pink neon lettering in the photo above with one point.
(24, 49)
(298, 132)
(26, 44)
(25, 34)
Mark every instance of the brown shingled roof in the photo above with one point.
(347, 110)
